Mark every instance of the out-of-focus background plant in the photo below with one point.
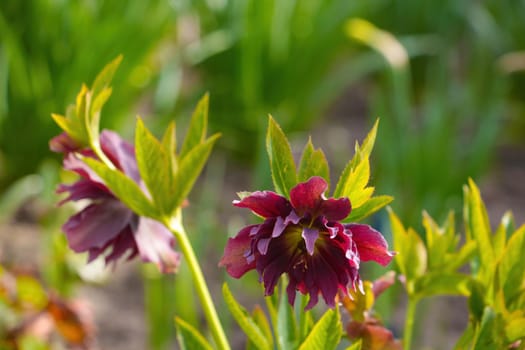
(445, 78)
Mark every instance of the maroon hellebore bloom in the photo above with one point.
(106, 222)
(304, 238)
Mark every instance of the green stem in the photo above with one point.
(200, 284)
(409, 323)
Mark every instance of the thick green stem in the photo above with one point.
(200, 284)
(409, 323)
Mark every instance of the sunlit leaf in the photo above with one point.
(442, 283)
(245, 321)
(124, 189)
(326, 333)
(190, 338)
(262, 321)
(153, 164)
(490, 334)
(169, 143)
(355, 346)
(104, 78)
(511, 267)
(189, 170)
(313, 163)
(281, 159)
(515, 329)
(196, 133)
(370, 207)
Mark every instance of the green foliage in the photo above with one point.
(252, 330)
(281, 159)
(326, 333)
(189, 338)
(353, 181)
(49, 48)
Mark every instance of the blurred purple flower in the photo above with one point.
(106, 223)
(304, 238)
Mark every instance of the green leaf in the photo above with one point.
(453, 262)
(153, 164)
(247, 324)
(370, 207)
(355, 346)
(490, 333)
(326, 333)
(262, 321)
(313, 163)
(515, 329)
(511, 269)
(476, 302)
(189, 338)
(124, 189)
(196, 133)
(287, 332)
(411, 254)
(169, 143)
(281, 159)
(93, 118)
(353, 181)
(104, 78)
(189, 170)
(442, 283)
(478, 229)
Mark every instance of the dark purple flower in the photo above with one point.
(106, 225)
(304, 238)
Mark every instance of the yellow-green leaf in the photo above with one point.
(281, 159)
(196, 133)
(313, 163)
(326, 333)
(190, 338)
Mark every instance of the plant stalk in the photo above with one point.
(409, 322)
(200, 284)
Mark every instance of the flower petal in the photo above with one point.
(63, 143)
(96, 225)
(234, 258)
(155, 244)
(310, 236)
(265, 203)
(121, 153)
(307, 196)
(370, 243)
(84, 189)
(335, 209)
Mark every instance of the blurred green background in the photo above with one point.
(446, 79)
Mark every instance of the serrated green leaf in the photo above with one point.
(153, 164)
(442, 283)
(197, 129)
(104, 78)
(478, 229)
(411, 254)
(189, 338)
(313, 163)
(189, 170)
(440, 241)
(352, 182)
(281, 159)
(370, 207)
(124, 188)
(287, 332)
(247, 324)
(169, 143)
(511, 269)
(515, 329)
(326, 333)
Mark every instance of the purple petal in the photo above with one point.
(265, 203)
(335, 209)
(371, 245)
(234, 258)
(63, 143)
(121, 153)
(83, 189)
(97, 224)
(73, 163)
(155, 244)
(307, 196)
(310, 236)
